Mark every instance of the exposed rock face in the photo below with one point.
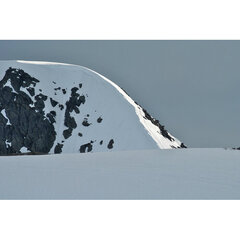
(58, 148)
(183, 145)
(86, 148)
(236, 148)
(99, 120)
(72, 104)
(156, 123)
(110, 144)
(161, 127)
(23, 122)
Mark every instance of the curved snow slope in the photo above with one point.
(122, 120)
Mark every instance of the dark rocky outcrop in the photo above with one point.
(183, 145)
(110, 144)
(67, 133)
(156, 123)
(58, 148)
(23, 125)
(86, 147)
(53, 102)
(39, 104)
(85, 122)
(61, 106)
(236, 148)
(72, 104)
(99, 120)
(31, 91)
(69, 121)
(53, 113)
(18, 79)
(51, 117)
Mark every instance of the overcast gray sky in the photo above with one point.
(192, 87)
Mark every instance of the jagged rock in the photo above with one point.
(18, 79)
(61, 106)
(31, 91)
(236, 148)
(156, 123)
(183, 146)
(39, 105)
(85, 122)
(41, 97)
(27, 125)
(99, 120)
(110, 144)
(58, 148)
(67, 133)
(53, 102)
(53, 113)
(51, 118)
(85, 147)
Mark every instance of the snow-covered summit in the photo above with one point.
(54, 107)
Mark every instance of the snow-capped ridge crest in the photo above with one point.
(70, 108)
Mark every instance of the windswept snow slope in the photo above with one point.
(81, 110)
(150, 174)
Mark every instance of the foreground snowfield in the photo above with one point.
(150, 174)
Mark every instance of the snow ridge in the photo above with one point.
(83, 110)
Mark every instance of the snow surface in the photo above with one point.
(123, 120)
(8, 84)
(24, 150)
(3, 112)
(148, 174)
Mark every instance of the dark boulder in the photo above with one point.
(86, 147)
(99, 120)
(67, 133)
(58, 148)
(53, 102)
(110, 144)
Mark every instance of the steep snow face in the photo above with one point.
(71, 109)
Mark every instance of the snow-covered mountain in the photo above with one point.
(54, 107)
